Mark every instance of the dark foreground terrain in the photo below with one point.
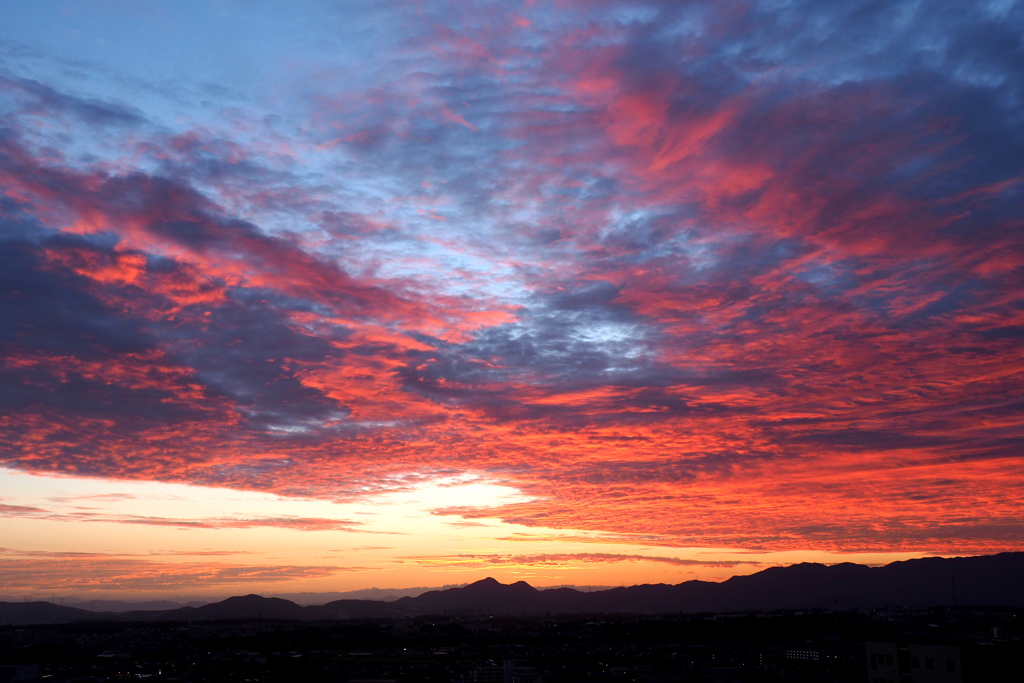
(942, 644)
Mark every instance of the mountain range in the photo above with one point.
(991, 580)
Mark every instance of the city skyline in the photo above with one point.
(322, 296)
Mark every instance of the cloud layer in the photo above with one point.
(718, 273)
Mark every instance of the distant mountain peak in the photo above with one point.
(492, 584)
(251, 597)
(489, 582)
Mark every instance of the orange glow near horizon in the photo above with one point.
(129, 540)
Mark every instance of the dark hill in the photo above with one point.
(993, 580)
(359, 609)
(127, 606)
(485, 596)
(21, 613)
(989, 580)
(238, 607)
(249, 607)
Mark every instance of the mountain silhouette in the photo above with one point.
(25, 613)
(238, 607)
(486, 596)
(248, 607)
(128, 606)
(993, 580)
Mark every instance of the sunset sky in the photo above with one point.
(318, 296)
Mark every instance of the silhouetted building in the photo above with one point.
(803, 655)
(914, 663)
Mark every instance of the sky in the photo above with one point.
(320, 296)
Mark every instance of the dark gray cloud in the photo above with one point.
(39, 99)
(67, 339)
